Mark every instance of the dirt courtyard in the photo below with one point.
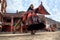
(37, 36)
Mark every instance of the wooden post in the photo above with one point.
(11, 23)
(0, 23)
(21, 30)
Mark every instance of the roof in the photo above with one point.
(14, 14)
(41, 10)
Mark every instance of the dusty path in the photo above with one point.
(38, 36)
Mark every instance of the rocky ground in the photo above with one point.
(28, 36)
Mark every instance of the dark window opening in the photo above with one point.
(8, 20)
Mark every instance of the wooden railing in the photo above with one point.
(6, 23)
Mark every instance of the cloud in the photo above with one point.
(14, 5)
(52, 6)
(36, 3)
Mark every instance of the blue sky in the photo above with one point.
(52, 6)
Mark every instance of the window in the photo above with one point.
(8, 20)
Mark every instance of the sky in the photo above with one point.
(52, 6)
